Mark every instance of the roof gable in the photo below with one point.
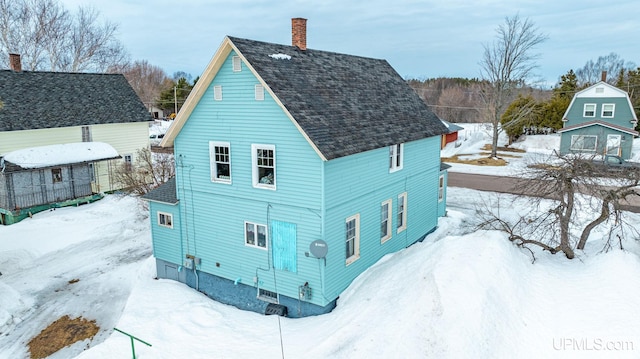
(607, 91)
(35, 100)
(342, 104)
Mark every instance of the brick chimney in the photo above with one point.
(603, 76)
(14, 62)
(299, 33)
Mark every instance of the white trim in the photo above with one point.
(613, 110)
(236, 63)
(356, 239)
(389, 204)
(255, 239)
(440, 188)
(213, 163)
(258, 90)
(167, 216)
(217, 92)
(584, 110)
(396, 157)
(402, 212)
(262, 182)
(574, 138)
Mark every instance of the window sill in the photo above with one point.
(352, 259)
(401, 229)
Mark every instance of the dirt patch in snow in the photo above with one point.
(61, 333)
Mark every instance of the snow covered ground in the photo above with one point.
(459, 294)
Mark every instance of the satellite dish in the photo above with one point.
(318, 248)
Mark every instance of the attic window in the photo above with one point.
(237, 64)
(259, 92)
(599, 89)
(396, 157)
(217, 92)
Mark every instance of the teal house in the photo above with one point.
(296, 170)
(599, 120)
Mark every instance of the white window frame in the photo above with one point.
(237, 63)
(162, 219)
(584, 111)
(613, 110)
(355, 237)
(86, 134)
(214, 160)
(255, 243)
(217, 92)
(396, 157)
(576, 138)
(255, 171)
(128, 161)
(386, 222)
(401, 220)
(259, 92)
(440, 188)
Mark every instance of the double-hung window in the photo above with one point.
(440, 188)
(608, 110)
(263, 158)
(352, 238)
(396, 157)
(165, 220)
(385, 221)
(220, 161)
(589, 110)
(255, 235)
(401, 220)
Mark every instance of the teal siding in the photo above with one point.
(311, 201)
(622, 115)
(166, 241)
(214, 213)
(358, 185)
(601, 132)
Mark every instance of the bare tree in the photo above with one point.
(507, 64)
(146, 80)
(574, 185)
(149, 171)
(48, 37)
(611, 64)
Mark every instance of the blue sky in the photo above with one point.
(419, 38)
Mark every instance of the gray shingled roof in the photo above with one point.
(165, 193)
(345, 104)
(34, 100)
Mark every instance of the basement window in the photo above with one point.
(267, 295)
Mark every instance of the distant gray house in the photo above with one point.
(599, 120)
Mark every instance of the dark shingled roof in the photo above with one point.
(345, 104)
(34, 100)
(165, 193)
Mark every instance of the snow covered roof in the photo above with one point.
(54, 155)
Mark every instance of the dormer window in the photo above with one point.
(589, 110)
(608, 109)
(237, 64)
(396, 157)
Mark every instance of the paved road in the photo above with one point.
(505, 184)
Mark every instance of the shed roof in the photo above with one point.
(60, 154)
(343, 104)
(35, 100)
(165, 193)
